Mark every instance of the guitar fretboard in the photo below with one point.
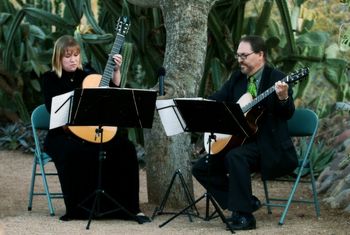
(288, 79)
(109, 69)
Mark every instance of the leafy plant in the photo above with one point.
(344, 37)
(319, 157)
(17, 136)
(28, 36)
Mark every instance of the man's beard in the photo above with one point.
(244, 68)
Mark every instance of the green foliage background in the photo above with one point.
(299, 34)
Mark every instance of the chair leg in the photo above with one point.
(314, 192)
(46, 188)
(291, 195)
(32, 183)
(286, 208)
(267, 197)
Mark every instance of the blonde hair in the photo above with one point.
(62, 46)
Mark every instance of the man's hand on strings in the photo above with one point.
(281, 89)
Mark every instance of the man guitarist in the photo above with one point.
(76, 159)
(269, 151)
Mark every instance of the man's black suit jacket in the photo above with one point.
(278, 155)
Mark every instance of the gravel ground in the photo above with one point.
(15, 173)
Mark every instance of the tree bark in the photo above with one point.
(186, 28)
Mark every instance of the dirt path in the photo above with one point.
(15, 173)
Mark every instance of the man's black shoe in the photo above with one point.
(256, 204)
(65, 217)
(234, 217)
(69, 217)
(244, 222)
(143, 218)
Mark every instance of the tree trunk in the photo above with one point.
(186, 28)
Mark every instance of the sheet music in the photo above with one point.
(60, 109)
(169, 115)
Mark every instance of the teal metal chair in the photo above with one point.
(40, 120)
(304, 125)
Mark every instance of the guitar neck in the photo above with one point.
(263, 95)
(109, 69)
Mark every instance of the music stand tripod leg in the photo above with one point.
(207, 216)
(209, 197)
(160, 210)
(95, 210)
(218, 210)
(182, 211)
(92, 210)
(189, 197)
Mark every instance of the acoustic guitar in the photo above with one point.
(222, 142)
(90, 133)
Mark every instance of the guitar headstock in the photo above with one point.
(297, 75)
(123, 25)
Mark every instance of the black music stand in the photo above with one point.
(160, 210)
(211, 116)
(110, 107)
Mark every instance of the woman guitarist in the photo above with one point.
(76, 160)
(269, 151)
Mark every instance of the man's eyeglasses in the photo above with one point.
(243, 56)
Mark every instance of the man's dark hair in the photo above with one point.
(257, 43)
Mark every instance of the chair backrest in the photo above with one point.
(40, 118)
(304, 122)
(40, 121)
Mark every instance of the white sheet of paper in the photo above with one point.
(169, 115)
(60, 110)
